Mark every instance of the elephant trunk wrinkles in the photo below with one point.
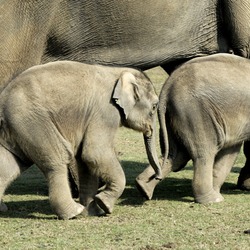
(152, 154)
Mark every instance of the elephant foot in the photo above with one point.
(211, 197)
(243, 180)
(94, 210)
(105, 202)
(245, 185)
(3, 207)
(146, 187)
(75, 210)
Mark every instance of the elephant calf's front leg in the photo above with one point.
(89, 184)
(108, 168)
(115, 184)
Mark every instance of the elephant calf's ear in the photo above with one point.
(126, 92)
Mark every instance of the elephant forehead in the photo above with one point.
(152, 96)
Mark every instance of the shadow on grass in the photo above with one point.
(32, 182)
(171, 188)
(31, 209)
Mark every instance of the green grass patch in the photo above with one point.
(171, 220)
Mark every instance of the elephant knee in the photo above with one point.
(114, 179)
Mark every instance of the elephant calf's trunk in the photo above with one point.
(152, 155)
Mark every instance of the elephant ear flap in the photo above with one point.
(126, 92)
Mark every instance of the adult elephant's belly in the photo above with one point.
(131, 33)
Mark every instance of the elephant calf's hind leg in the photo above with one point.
(203, 181)
(223, 164)
(60, 194)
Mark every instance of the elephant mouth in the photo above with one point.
(148, 131)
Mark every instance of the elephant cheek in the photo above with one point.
(139, 124)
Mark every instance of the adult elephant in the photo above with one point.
(115, 32)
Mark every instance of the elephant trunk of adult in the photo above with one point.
(149, 141)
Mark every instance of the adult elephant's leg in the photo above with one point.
(236, 15)
(244, 177)
(223, 164)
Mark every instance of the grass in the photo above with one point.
(171, 220)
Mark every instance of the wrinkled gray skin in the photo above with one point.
(204, 114)
(117, 32)
(66, 114)
(127, 33)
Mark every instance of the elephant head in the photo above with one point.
(136, 97)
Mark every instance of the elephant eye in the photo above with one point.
(154, 107)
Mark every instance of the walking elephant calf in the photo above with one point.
(64, 115)
(204, 114)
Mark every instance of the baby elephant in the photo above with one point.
(204, 114)
(65, 115)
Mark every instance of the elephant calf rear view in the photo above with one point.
(204, 114)
(64, 115)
